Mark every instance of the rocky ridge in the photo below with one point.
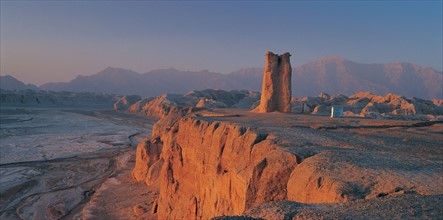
(333, 74)
(33, 98)
(369, 105)
(161, 106)
(8, 82)
(124, 102)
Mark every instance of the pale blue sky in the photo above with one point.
(44, 41)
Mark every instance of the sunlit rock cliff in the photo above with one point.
(213, 162)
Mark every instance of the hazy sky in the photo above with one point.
(44, 41)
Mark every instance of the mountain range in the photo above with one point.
(10, 83)
(333, 74)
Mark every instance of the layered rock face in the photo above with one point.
(276, 88)
(211, 168)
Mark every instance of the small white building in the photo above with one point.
(336, 112)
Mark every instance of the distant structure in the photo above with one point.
(276, 88)
(336, 112)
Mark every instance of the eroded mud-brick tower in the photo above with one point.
(276, 88)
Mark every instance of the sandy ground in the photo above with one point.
(56, 162)
(393, 207)
(120, 197)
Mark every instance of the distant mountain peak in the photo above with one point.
(116, 72)
(171, 69)
(116, 69)
(8, 82)
(333, 58)
(109, 68)
(9, 77)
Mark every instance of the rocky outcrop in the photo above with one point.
(233, 168)
(438, 102)
(124, 102)
(220, 98)
(363, 104)
(147, 167)
(160, 106)
(138, 106)
(276, 87)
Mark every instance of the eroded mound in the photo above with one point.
(369, 105)
(361, 105)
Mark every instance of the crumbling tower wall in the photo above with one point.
(276, 87)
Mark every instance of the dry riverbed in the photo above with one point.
(70, 164)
